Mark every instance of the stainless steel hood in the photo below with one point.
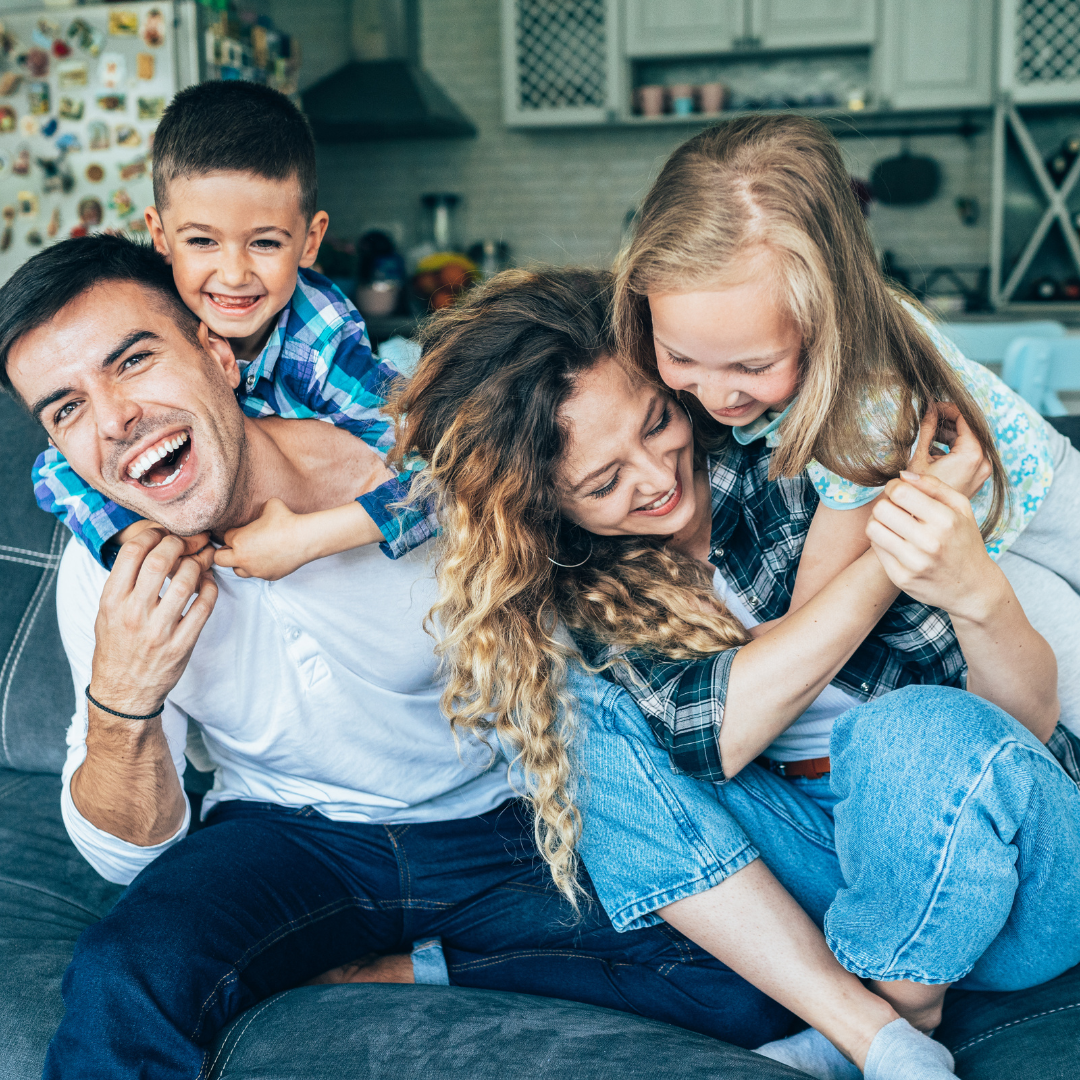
(384, 93)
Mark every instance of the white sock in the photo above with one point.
(811, 1052)
(901, 1052)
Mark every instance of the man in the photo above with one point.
(344, 821)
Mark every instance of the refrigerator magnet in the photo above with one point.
(97, 132)
(153, 31)
(27, 203)
(95, 173)
(123, 23)
(70, 108)
(85, 36)
(121, 202)
(60, 48)
(37, 62)
(151, 108)
(91, 212)
(72, 74)
(127, 136)
(144, 65)
(112, 102)
(38, 98)
(5, 239)
(54, 222)
(21, 165)
(112, 70)
(3, 163)
(48, 127)
(29, 125)
(34, 239)
(133, 169)
(9, 83)
(68, 142)
(8, 119)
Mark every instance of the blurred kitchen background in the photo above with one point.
(457, 137)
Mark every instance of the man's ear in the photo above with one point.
(222, 352)
(315, 233)
(157, 232)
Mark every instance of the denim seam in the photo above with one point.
(712, 876)
(814, 837)
(1012, 1023)
(404, 872)
(225, 1064)
(920, 975)
(476, 965)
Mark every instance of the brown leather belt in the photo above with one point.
(811, 768)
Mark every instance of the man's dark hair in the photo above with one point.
(48, 282)
(235, 126)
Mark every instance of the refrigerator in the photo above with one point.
(81, 92)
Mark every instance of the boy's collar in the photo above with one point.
(262, 367)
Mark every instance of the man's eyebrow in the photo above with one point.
(43, 403)
(132, 339)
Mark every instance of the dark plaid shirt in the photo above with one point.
(759, 527)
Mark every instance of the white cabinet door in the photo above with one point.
(683, 27)
(935, 54)
(793, 24)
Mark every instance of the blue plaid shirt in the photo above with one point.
(759, 528)
(317, 363)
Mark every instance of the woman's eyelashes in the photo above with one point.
(609, 487)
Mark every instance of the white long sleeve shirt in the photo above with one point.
(317, 690)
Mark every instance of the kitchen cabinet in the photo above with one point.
(699, 27)
(935, 54)
(1039, 57)
(684, 27)
(803, 24)
(562, 63)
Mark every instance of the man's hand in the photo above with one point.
(272, 546)
(144, 639)
(192, 544)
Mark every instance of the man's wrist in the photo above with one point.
(125, 704)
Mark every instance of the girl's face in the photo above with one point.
(735, 349)
(629, 468)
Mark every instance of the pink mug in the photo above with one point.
(652, 100)
(713, 97)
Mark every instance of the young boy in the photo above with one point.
(235, 195)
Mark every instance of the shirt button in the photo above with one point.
(294, 634)
(718, 553)
(754, 600)
(865, 687)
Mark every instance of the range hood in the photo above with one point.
(384, 93)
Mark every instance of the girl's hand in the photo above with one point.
(929, 544)
(965, 468)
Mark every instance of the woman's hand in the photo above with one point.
(965, 468)
(929, 544)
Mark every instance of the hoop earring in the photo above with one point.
(572, 566)
(689, 414)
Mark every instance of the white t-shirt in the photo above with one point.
(808, 737)
(317, 690)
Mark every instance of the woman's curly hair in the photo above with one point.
(483, 411)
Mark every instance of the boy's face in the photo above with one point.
(235, 241)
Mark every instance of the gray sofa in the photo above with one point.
(48, 895)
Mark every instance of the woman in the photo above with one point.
(560, 474)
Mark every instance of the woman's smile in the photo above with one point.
(664, 504)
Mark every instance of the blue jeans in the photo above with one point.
(945, 849)
(265, 898)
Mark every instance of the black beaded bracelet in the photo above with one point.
(123, 715)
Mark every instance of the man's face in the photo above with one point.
(141, 413)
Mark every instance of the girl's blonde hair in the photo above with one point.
(777, 187)
(483, 410)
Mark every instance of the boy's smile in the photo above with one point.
(235, 241)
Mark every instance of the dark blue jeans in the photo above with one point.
(265, 898)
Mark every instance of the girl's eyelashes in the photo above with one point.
(755, 370)
(607, 489)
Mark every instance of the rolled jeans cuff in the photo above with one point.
(429, 963)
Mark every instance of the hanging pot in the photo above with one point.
(906, 180)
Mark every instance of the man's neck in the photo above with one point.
(309, 464)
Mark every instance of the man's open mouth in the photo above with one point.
(161, 464)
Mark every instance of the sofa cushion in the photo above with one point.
(36, 695)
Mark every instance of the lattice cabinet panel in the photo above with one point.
(561, 61)
(1040, 50)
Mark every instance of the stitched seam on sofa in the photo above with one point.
(14, 785)
(48, 556)
(22, 635)
(41, 564)
(1012, 1023)
(48, 892)
(225, 1064)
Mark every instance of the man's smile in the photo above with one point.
(164, 467)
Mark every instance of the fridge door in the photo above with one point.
(81, 93)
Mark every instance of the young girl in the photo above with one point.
(751, 284)
(571, 490)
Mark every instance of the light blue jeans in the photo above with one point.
(946, 849)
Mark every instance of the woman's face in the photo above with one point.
(735, 349)
(629, 467)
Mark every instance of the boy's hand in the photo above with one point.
(272, 546)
